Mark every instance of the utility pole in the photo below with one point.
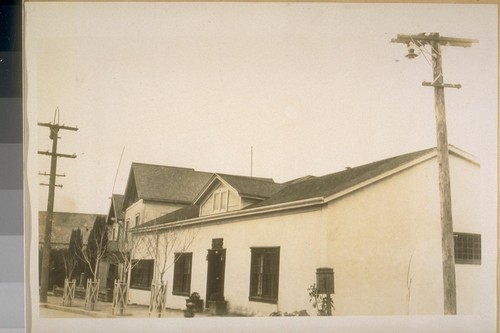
(54, 131)
(435, 41)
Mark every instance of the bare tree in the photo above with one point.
(409, 280)
(161, 245)
(124, 254)
(95, 250)
(92, 254)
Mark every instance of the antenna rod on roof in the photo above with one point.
(117, 169)
(251, 161)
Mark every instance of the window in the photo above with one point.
(220, 201)
(137, 219)
(182, 274)
(467, 248)
(142, 274)
(264, 274)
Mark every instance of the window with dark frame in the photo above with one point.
(142, 274)
(182, 274)
(264, 274)
(467, 248)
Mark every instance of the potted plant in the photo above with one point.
(194, 303)
(322, 303)
(217, 304)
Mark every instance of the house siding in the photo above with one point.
(233, 203)
(149, 210)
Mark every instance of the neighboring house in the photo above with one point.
(153, 191)
(156, 190)
(110, 268)
(115, 219)
(258, 244)
(62, 226)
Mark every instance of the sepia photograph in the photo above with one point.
(226, 166)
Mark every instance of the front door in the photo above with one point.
(216, 259)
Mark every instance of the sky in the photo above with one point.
(312, 87)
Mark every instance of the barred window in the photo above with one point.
(142, 274)
(467, 248)
(182, 274)
(264, 274)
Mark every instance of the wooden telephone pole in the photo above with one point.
(54, 130)
(435, 41)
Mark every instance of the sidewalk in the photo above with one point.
(104, 309)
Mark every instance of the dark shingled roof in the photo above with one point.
(116, 208)
(63, 224)
(118, 203)
(299, 189)
(166, 183)
(185, 213)
(298, 180)
(333, 183)
(252, 187)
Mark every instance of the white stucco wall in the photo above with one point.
(368, 237)
(374, 232)
(297, 263)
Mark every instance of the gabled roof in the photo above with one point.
(308, 191)
(252, 187)
(247, 187)
(116, 208)
(163, 183)
(331, 184)
(182, 214)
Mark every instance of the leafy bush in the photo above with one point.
(300, 313)
(320, 301)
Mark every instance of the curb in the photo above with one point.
(94, 314)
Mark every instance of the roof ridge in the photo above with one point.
(381, 161)
(264, 179)
(166, 166)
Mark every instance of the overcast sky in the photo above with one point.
(313, 87)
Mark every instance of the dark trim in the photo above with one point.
(263, 299)
(176, 293)
(140, 288)
(467, 261)
(181, 257)
(146, 268)
(269, 250)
